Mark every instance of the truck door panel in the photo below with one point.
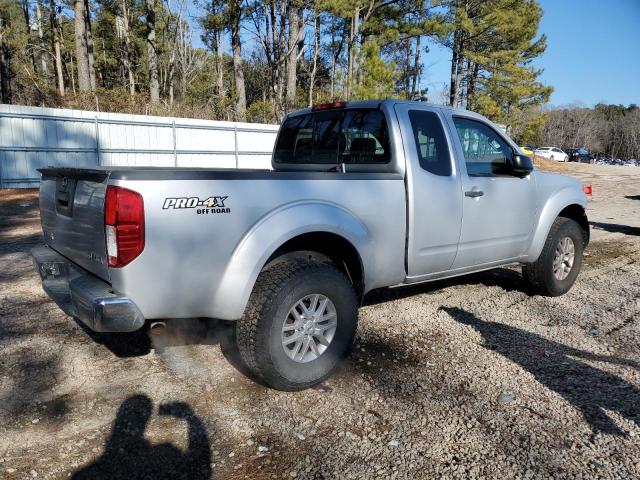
(433, 191)
(498, 208)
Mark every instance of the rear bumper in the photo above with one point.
(84, 296)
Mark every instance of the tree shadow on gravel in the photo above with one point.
(616, 228)
(587, 388)
(18, 244)
(34, 375)
(128, 455)
(507, 279)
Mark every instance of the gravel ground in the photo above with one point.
(469, 378)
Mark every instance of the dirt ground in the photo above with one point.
(469, 378)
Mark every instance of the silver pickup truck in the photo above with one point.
(362, 195)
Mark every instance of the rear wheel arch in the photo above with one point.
(324, 247)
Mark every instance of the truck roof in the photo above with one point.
(378, 103)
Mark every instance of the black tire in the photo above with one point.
(259, 333)
(540, 276)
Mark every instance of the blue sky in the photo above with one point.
(593, 53)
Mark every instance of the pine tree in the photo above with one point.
(378, 77)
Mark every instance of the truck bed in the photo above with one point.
(186, 267)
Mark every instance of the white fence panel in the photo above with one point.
(32, 138)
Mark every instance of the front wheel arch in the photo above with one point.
(576, 213)
(567, 202)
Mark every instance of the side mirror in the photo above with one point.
(521, 165)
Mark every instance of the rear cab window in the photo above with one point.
(431, 143)
(350, 136)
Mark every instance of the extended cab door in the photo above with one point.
(434, 199)
(499, 208)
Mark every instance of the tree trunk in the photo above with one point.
(417, 67)
(44, 67)
(282, 58)
(172, 75)
(220, 65)
(5, 70)
(24, 4)
(90, 58)
(335, 55)
(453, 93)
(353, 41)
(471, 87)
(125, 46)
(408, 70)
(70, 73)
(154, 86)
(292, 60)
(316, 51)
(461, 60)
(55, 38)
(82, 57)
(241, 99)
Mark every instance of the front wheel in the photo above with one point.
(555, 271)
(299, 324)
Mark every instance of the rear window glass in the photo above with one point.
(334, 136)
(433, 152)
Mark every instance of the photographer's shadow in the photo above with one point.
(589, 389)
(128, 455)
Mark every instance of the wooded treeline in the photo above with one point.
(256, 59)
(611, 131)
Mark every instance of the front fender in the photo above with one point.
(272, 231)
(552, 207)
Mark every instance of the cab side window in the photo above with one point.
(486, 153)
(431, 144)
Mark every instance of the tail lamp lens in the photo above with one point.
(124, 225)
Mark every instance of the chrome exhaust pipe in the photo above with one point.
(157, 328)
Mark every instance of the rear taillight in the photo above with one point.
(124, 225)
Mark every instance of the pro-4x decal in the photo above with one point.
(208, 205)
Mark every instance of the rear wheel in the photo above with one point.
(555, 271)
(299, 324)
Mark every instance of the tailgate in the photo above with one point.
(72, 215)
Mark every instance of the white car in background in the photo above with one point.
(552, 153)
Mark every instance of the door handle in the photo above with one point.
(474, 193)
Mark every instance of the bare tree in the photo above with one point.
(89, 35)
(57, 52)
(82, 56)
(154, 87)
(124, 34)
(44, 67)
(235, 14)
(316, 54)
(296, 32)
(352, 48)
(5, 69)
(190, 61)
